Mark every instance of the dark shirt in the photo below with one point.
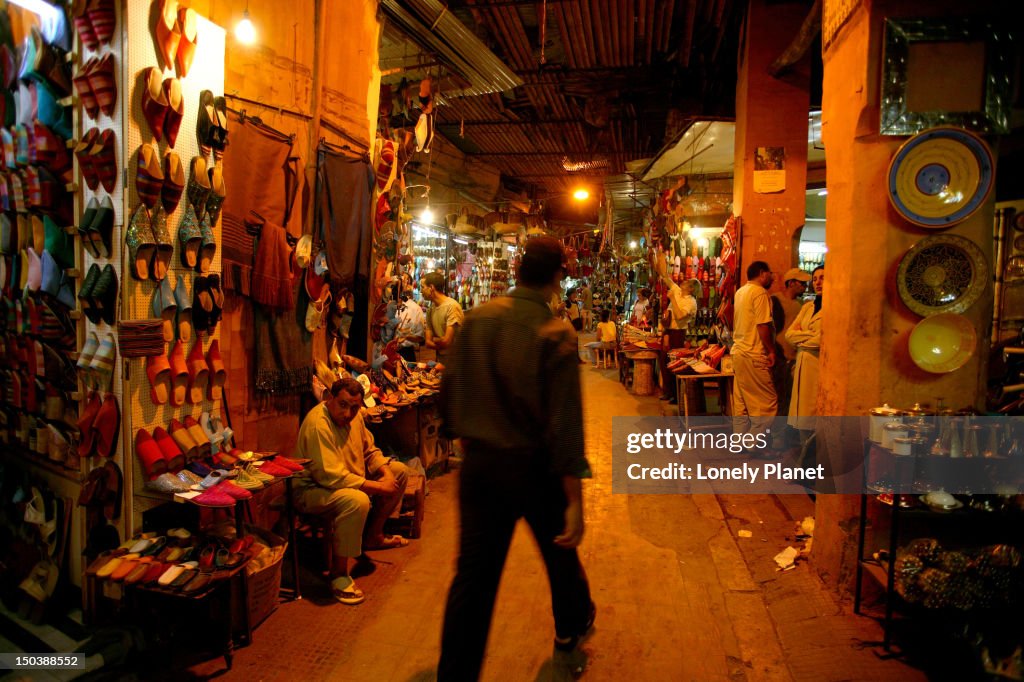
(513, 382)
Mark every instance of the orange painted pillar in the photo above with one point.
(771, 114)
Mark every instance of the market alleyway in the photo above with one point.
(679, 595)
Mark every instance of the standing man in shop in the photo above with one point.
(410, 327)
(521, 430)
(755, 402)
(786, 306)
(444, 319)
(586, 297)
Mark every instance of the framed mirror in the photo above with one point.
(924, 56)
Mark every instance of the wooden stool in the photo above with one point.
(643, 372)
(407, 520)
(602, 355)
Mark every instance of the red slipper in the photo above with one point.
(150, 455)
(158, 369)
(214, 498)
(184, 439)
(85, 422)
(107, 426)
(272, 469)
(234, 491)
(172, 454)
(287, 463)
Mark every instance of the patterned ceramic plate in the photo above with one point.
(940, 177)
(942, 274)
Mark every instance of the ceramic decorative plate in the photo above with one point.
(942, 274)
(940, 177)
(942, 343)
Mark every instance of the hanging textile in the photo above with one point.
(261, 176)
(272, 271)
(345, 186)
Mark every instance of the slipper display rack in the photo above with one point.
(93, 348)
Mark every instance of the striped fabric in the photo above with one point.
(513, 383)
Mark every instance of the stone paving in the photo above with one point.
(680, 596)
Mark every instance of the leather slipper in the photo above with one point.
(218, 375)
(141, 243)
(199, 375)
(107, 427)
(150, 455)
(158, 369)
(179, 376)
(165, 306)
(171, 452)
(164, 246)
(184, 310)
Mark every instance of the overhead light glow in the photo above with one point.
(632, 245)
(245, 32)
(427, 216)
(581, 195)
(44, 10)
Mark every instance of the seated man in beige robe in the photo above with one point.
(346, 472)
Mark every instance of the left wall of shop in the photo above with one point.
(312, 73)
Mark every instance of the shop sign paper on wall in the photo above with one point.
(769, 170)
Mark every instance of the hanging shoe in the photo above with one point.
(154, 102)
(188, 26)
(175, 109)
(86, 95)
(101, 229)
(179, 375)
(208, 248)
(174, 182)
(218, 193)
(198, 373)
(103, 83)
(103, 158)
(217, 297)
(149, 176)
(103, 361)
(141, 243)
(168, 33)
(83, 26)
(104, 295)
(158, 370)
(190, 237)
(164, 246)
(85, 356)
(106, 428)
(165, 306)
(103, 19)
(184, 303)
(199, 187)
(85, 293)
(218, 375)
(82, 150)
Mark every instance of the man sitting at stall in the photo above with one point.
(346, 473)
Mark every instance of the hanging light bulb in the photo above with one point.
(427, 216)
(245, 32)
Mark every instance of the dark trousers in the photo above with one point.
(407, 352)
(495, 490)
(676, 339)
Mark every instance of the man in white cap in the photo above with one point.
(786, 306)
